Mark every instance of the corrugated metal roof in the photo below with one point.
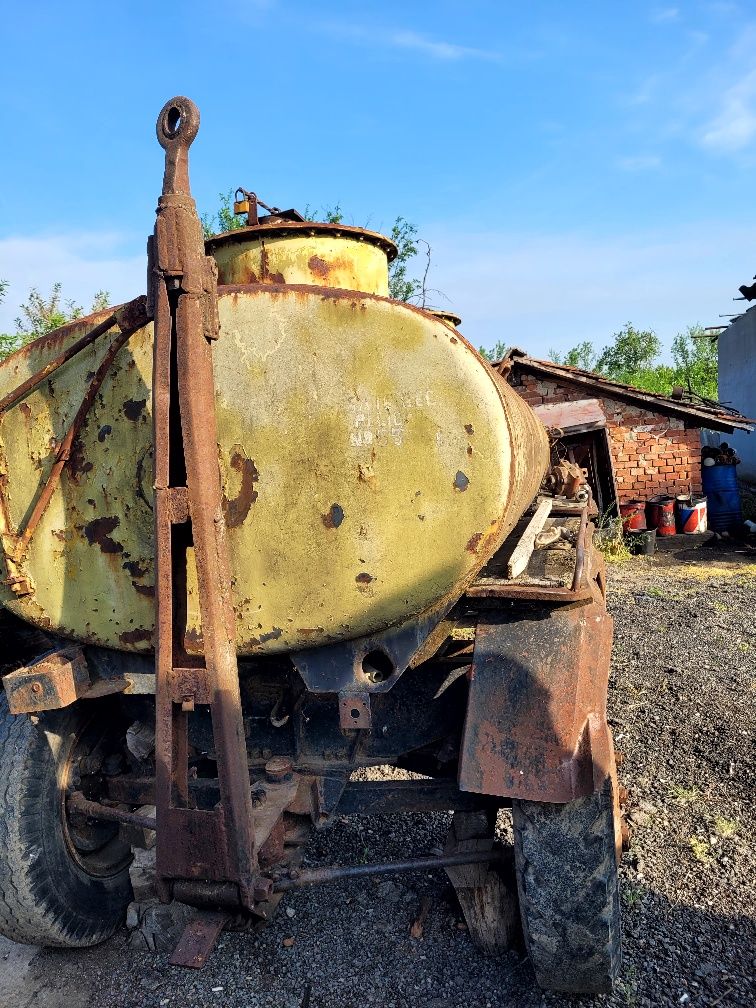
(703, 415)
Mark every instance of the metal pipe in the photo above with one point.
(318, 875)
(31, 383)
(78, 803)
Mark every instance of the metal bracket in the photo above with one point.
(55, 680)
(368, 664)
(354, 710)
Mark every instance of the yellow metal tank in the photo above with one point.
(292, 252)
(371, 461)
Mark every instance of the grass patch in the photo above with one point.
(725, 828)
(701, 850)
(609, 541)
(631, 895)
(657, 592)
(685, 796)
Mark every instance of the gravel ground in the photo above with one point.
(682, 708)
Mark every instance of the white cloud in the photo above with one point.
(555, 290)
(438, 50)
(665, 14)
(639, 162)
(82, 263)
(734, 126)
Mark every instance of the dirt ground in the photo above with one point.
(682, 704)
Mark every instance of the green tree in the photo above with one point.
(632, 352)
(41, 314)
(326, 214)
(695, 364)
(582, 356)
(494, 353)
(402, 286)
(224, 219)
(632, 358)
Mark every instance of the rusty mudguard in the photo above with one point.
(536, 724)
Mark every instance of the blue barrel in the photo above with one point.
(720, 485)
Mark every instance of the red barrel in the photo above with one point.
(633, 516)
(660, 515)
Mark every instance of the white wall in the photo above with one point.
(737, 384)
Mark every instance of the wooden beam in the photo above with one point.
(523, 551)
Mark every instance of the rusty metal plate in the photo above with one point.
(198, 939)
(354, 710)
(536, 718)
(370, 461)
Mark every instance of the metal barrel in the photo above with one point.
(691, 515)
(720, 485)
(660, 515)
(633, 516)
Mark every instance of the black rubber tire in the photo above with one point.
(567, 883)
(46, 897)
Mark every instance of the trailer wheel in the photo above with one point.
(567, 883)
(63, 883)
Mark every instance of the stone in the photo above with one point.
(143, 877)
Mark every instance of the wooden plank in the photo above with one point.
(523, 551)
(486, 894)
(573, 417)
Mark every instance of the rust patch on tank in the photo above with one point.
(135, 568)
(78, 464)
(473, 541)
(98, 533)
(147, 590)
(334, 517)
(366, 475)
(309, 631)
(319, 266)
(364, 578)
(133, 408)
(274, 634)
(137, 636)
(237, 509)
(25, 408)
(469, 428)
(461, 482)
(103, 432)
(266, 275)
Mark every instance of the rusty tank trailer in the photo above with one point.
(261, 528)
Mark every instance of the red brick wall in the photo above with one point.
(652, 453)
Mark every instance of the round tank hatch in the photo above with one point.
(293, 252)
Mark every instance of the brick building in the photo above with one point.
(634, 444)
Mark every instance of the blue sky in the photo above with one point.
(573, 166)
